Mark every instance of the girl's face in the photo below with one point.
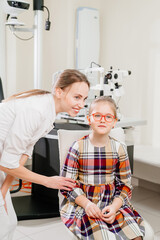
(102, 125)
(73, 98)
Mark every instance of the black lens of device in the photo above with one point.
(108, 76)
(16, 4)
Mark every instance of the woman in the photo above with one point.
(24, 119)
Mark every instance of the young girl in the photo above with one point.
(24, 119)
(99, 207)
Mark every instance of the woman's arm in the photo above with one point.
(50, 182)
(9, 179)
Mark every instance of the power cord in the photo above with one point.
(47, 26)
(24, 39)
(48, 23)
(95, 64)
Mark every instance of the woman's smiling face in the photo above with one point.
(73, 98)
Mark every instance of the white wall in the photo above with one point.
(2, 49)
(59, 50)
(130, 39)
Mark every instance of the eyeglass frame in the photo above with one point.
(103, 116)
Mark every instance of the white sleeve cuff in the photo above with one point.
(10, 160)
(29, 151)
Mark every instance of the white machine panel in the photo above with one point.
(87, 37)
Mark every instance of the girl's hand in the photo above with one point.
(109, 214)
(63, 183)
(92, 210)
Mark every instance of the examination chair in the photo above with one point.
(65, 140)
(1, 91)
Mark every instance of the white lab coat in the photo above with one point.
(22, 123)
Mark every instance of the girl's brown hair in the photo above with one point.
(105, 99)
(66, 78)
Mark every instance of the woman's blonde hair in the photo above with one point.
(105, 99)
(26, 94)
(65, 79)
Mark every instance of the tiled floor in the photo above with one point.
(146, 202)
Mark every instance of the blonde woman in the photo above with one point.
(24, 119)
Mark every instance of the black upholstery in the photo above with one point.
(1, 91)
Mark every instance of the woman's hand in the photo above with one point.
(92, 210)
(109, 214)
(62, 183)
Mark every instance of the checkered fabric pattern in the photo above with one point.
(101, 174)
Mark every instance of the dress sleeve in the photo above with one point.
(20, 137)
(70, 170)
(123, 175)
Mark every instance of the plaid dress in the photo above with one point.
(101, 174)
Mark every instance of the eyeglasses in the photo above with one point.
(98, 117)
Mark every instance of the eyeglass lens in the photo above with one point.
(99, 116)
